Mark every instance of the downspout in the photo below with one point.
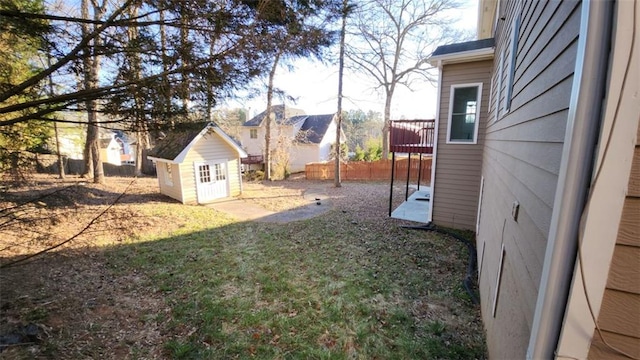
(435, 144)
(583, 124)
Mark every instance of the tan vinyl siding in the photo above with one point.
(209, 148)
(521, 163)
(620, 311)
(172, 191)
(458, 166)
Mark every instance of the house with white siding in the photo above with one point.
(307, 138)
(538, 151)
(110, 150)
(198, 163)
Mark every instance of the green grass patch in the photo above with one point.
(323, 288)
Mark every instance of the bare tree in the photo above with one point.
(346, 8)
(267, 119)
(390, 41)
(294, 43)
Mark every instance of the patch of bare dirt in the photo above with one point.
(71, 294)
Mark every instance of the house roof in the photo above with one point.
(177, 143)
(282, 114)
(104, 143)
(464, 51)
(316, 127)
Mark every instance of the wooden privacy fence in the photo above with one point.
(372, 170)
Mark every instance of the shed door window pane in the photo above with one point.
(219, 172)
(464, 114)
(204, 173)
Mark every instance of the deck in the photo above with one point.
(412, 136)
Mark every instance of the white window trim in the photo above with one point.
(478, 112)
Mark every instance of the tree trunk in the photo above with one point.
(337, 181)
(209, 91)
(86, 64)
(91, 62)
(61, 173)
(140, 127)
(387, 124)
(184, 39)
(267, 136)
(165, 68)
(98, 171)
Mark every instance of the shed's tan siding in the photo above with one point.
(210, 148)
(619, 317)
(171, 190)
(521, 163)
(458, 166)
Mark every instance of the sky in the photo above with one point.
(315, 86)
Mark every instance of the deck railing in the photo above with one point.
(412, 136)
(252, 159)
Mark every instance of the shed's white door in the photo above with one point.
(211, 180)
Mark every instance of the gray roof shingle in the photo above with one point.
(463, 46)
(315, 127)
(176, 140)
(282, 113)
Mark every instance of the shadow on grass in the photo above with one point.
(328, 287)
(78, 193)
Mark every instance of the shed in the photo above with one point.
(198, 163)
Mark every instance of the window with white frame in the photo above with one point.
(218, 172)
(253, 133)
(464, 114)
(204, 173)
(168, 174)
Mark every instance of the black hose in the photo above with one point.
(471, 264)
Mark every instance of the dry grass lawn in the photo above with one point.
(152, 278)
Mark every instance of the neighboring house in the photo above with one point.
(538, 150)
(127, 146)
(308, 138)
(315, 138)
(198, 164)
(116, 148)
(110, 150)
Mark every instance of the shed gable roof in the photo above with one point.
(177, 143)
